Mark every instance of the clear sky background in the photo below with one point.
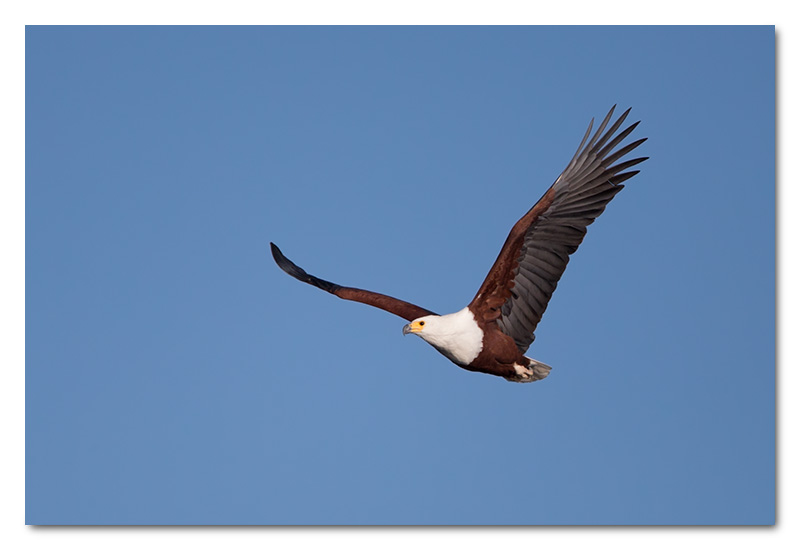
(176, 376)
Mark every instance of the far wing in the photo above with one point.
(403, 309)
(522, 280)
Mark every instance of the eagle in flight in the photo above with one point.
(492, 334)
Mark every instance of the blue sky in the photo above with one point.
(175, 375)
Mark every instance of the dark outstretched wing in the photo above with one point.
(403, 309)
(522, 280)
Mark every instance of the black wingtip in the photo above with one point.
(276, 252)
(277, 255)
(299, 273)
(286, 264)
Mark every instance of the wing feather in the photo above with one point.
(522, 280)
(406, 310)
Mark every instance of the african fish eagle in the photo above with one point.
(492, 334)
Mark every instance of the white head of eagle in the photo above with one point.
(456, 335)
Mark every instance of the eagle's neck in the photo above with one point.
(456, 335)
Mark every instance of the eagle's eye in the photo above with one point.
(422, 323)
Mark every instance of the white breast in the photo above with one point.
(456, 335)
